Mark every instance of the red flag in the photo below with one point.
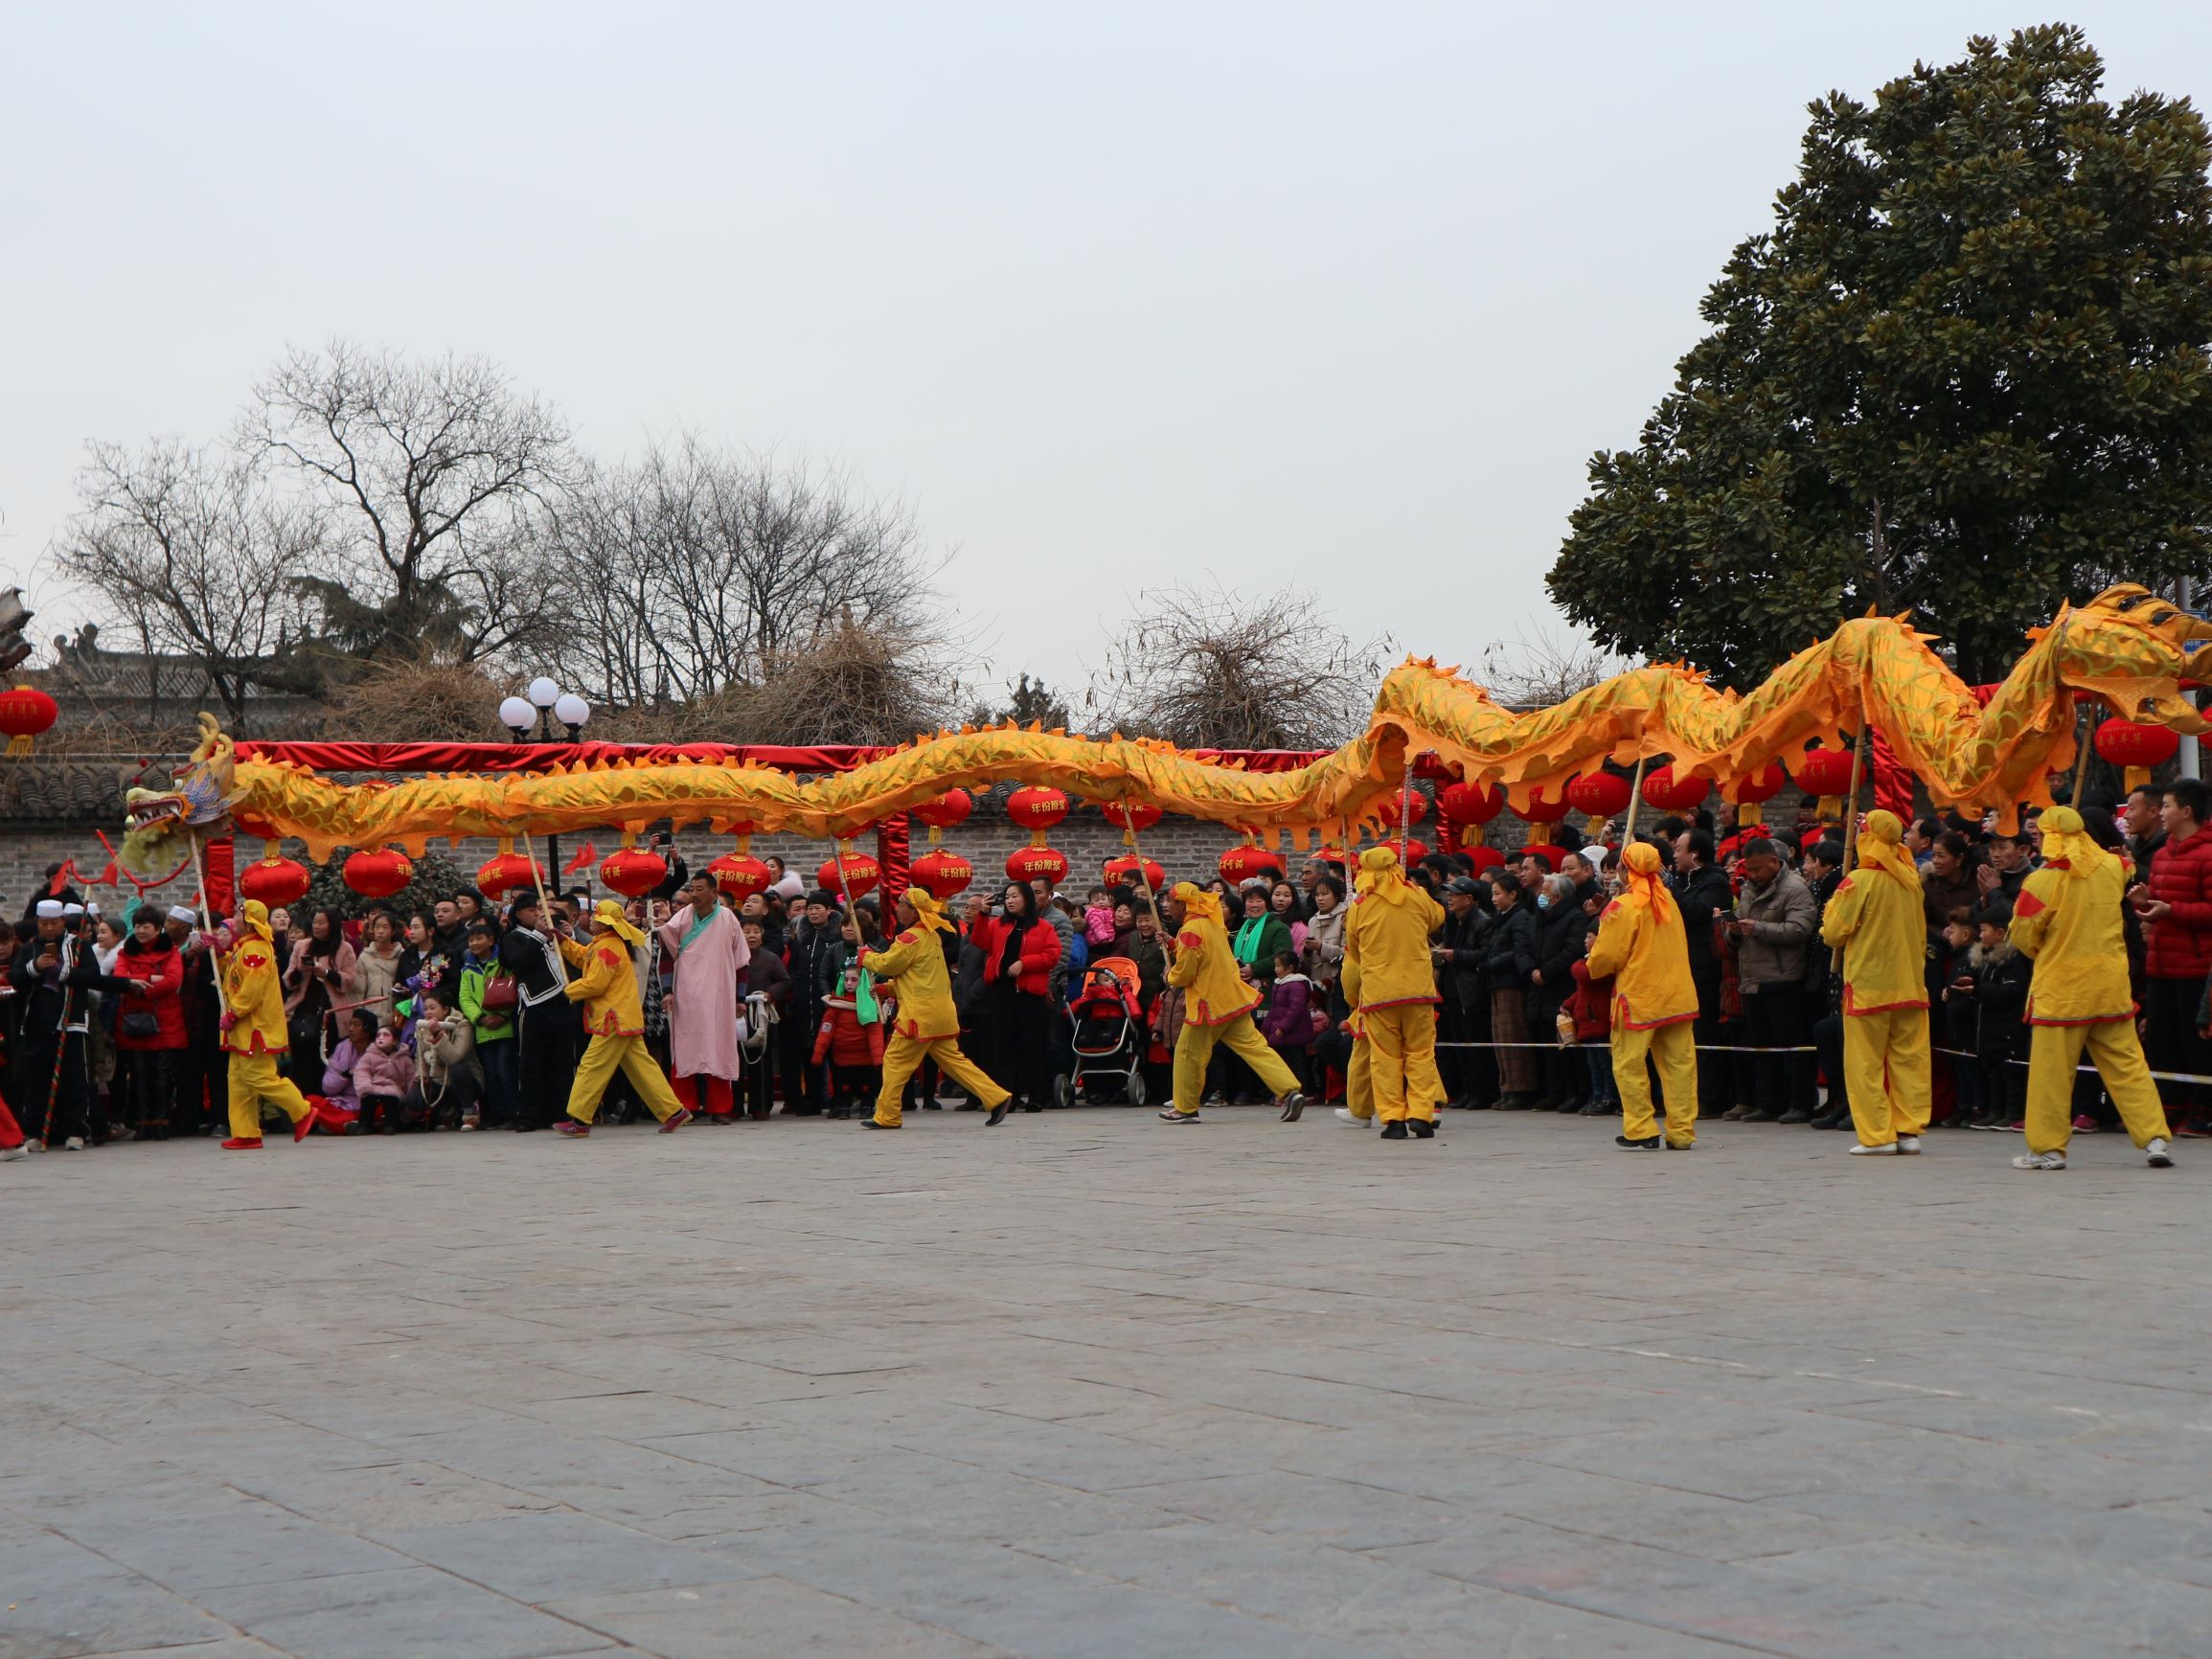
(63, 878)
(107, 877)
(586, 855)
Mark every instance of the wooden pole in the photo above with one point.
(1635, 800)
(1851, 805)
(207, 924)
(1405, 811)
(559, 962)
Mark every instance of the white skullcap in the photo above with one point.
(183, 913)
(1594, 856)
(73, 910)
(51, 910)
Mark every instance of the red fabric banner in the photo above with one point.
(891, 850)
(544, 756)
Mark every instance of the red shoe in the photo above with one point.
(2085, 1124)
(573, 1129)
(2194, 1133)
(236, 1144)
(318, 1108)
(676, 1120)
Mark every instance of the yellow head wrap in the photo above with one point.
(1197, 902)
(926, 910)
(607, 912)
(1641, 860)
(1380, 876)
(255, 916)
(2067, 844)
(1880, 845)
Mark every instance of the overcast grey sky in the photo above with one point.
(1344, 296)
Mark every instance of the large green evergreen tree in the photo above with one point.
(1965, 373)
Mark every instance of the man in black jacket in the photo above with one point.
(817, 941)
(545, 1028)
(1701, 891)
(1470, 1074)
(1509, 958)
(54, 975)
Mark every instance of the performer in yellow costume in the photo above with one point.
(1644, 949)
(614, 1016)
(1359, 1108)
(927, 1026)
(1878, 913)
(2067, 920)
(1217, 1008)
(1386, 941)
(255, 1033)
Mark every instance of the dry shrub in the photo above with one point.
(397, 700)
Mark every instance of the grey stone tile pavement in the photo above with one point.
(1084, 1385)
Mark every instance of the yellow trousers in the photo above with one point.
(253, 1078)
(605, 1055)
(1674, 1049)
(1195, 1047)
(1360, 1079)
(2054, 1050)
(1402, 1043)
(1886, 1068)
(902, 1058)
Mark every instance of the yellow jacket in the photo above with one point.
(253, 990)
(916, 960)
(1885, 923)
(1207, 970)
(606, 983)
(1646, 953)
(1386, 949)
(2072, 928)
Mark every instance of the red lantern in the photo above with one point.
(1553, 856)
(942, 812)
(941, 874)
(633, 872)
(1390, 809)
(2136, 747)
(1470, 803)
(274, 880)
(740, 875)
(1599, 794)
(1539, 810)
(1131, 816)
(1411, 853)
(1121, 872)
(1037, 809)
(1248, 861)
(1666, 791)
(860, 870)
(25, 713)
(379, 873)
(1823, 771)
(1752, 792)
(503, 869)
(1485, 857)
(1027, 864)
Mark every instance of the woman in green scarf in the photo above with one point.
(1259, 937)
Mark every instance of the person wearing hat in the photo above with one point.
(255, 1033)
(1878, 921)
(196, 1071)
(816, 946)
(2067, 920)
(1217, 1006)
(54, 975)
(1386, 941)
(927, 1026)
(606, 983)
(1641, 946)
(545, 1021)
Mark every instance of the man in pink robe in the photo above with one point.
(707, 944)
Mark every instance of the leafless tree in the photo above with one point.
(196, 556)
(429, 472)
(1205, 667)
(1535, 669)
(705, 570)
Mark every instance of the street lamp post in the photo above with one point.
(542, 704)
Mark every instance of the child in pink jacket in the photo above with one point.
(380, 1077)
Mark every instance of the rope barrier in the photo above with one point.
(1804, 1049)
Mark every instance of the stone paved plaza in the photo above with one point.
(1090, 1385)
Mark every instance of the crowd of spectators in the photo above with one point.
(410, 1022)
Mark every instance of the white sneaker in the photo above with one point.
(8, 1155)
(1344, 1116)
(2157, 1154)
(75, 1144)
(1908, 1144)
(1888, 1150)
(2040, 1161)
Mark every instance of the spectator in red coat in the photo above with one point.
(150, 1027)
(1590, 1008)
(850, 1044)
(2176, 904)
(1014, 1019)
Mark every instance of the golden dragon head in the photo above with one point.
(159, 824)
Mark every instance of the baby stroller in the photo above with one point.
(1110, 1033)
